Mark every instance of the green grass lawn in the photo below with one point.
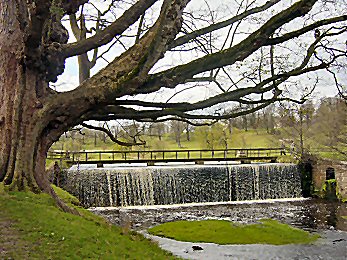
(32, 227)
(253, 139)
(238, 139)
(224, 232)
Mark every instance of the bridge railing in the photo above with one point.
(165, 155)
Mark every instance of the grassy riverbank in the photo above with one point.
(32, 227)
(224, 232)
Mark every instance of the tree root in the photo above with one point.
(60, 203)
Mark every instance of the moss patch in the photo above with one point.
(48, 233)
(224, 232)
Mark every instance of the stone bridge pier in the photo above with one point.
(325, 169)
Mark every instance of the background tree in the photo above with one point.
(268, 118)
(188, 130)
(296, 125)
(213, 136)
(157, 129)
(34, 47)
(330, 125)
(177, 128)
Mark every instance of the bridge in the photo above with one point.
(151, 157)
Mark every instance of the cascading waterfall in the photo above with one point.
(267, 181)
(108, 175)
(162, 185)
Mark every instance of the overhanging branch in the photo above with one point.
(180, 109)
(103, 37)
(193, 35)
(113, 113)
(305, 29)
(110, 135)
(179, 74)
(180, 120)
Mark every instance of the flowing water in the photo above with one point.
(163, 185)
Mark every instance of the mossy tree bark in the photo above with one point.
(18, 102)
(24, 131)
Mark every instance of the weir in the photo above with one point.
(162, 185)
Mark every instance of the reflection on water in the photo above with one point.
(305, 213)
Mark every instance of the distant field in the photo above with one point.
(238, 139)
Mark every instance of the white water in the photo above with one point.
(173, 206)
(162, 185)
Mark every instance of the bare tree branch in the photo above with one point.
(305, 29)
(110, 135)
(193, 35)
(239, 52)
(190, 122)
(129, 17)
(180, 109)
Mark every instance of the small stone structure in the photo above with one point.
(325, 169)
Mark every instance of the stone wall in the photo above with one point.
(319, 172)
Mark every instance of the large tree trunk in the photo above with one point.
(24, 144)
(13, 92)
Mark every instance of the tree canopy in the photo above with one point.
(253, 52)
(263, 54)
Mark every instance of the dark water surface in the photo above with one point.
(310, 214)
